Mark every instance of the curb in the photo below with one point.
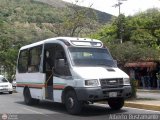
(142, 106)
(149, 91)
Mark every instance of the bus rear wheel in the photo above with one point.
(72, 104)
(28, 99)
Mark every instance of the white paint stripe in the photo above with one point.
(104, 105)
(35, 111)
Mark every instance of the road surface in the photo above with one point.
(13, 107)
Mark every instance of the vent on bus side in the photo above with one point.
(110, 70)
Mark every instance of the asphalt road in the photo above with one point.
(14, 107)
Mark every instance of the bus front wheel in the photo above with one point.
(72, 104)
(116, 103)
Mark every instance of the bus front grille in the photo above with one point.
(111, 83)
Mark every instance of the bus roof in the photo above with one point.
(74, 41)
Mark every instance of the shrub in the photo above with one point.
(134, 88)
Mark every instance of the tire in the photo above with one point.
(72, 104)
(10, 92)
(116, 103)
(28, 99)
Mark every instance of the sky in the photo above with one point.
(129, 7)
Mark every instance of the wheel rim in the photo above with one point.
(70, 102)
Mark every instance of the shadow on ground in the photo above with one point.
(87, 111)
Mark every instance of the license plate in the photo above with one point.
(112, 94)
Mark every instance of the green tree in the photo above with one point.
(144, 37)
(129, 52)
(141, 36)
(77, 22)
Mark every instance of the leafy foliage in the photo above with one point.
(141, 36)
(134, 88)
(128, 52)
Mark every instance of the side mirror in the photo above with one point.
(60, 63)
(59, 67)
(115, 62)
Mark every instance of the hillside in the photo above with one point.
(102, 16)
(54, 3)
(26, 21)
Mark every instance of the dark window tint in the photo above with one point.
(23, 61)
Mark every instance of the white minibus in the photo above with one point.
(73, 71)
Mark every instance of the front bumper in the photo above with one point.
(98, 94)
(6, 89)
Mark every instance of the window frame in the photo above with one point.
(19, 60)
(28, 60)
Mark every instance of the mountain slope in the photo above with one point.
(102, 16)
(27, 21)
(54, 3)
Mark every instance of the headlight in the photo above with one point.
(91, 82)
(126, 81)
(10, 86)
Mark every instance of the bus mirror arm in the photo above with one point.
(53, 69)
(115, 62)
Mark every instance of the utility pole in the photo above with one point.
(120, 22)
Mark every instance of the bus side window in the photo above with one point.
(23, 61)
(35, 59)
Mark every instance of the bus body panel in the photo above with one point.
(59, 84)
(34, 81)
(99, 72)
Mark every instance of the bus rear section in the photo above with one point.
(72, 71)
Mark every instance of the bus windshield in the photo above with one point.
(91, 57)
